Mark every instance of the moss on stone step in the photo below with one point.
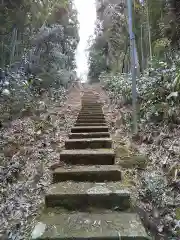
(83, 225)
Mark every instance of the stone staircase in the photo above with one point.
(87, 199)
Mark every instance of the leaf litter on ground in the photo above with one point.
(30, 146)
(159, 183)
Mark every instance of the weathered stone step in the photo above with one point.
(91, 120)
(95, 121)
(88, 157)
(87, 173)
(83, 119)
(85, 129)
(90, 109)
(94, 102)
(90, 100)
(92, 143)
(92, 226)
(85, 195)
(89, 92)
(87, 110)
(91, 106)
(89, 135)
(90, 95)
(90, 124)
(87, 102)
(91, 115)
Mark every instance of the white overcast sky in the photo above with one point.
(87, 17)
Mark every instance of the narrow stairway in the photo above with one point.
(87, 199)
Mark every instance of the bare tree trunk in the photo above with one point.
(149, 32)
(13, 44)
(142, 51)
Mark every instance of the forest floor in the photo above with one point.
(31, 146)
(155, 175)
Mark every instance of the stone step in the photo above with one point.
(87, 111)
(85, 195)
(91, 116)
(89, 135)
(88, 100)
(90, 96)
(92, 143)
(85, 129)
(90, 111)
(87, 173)
(94, 102)
(91, 226)
(88, 157)
(91, 105)
(90, 124)
(91, 120)
(94, 122)
(91, 108)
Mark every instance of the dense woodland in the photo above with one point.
(157, 63)
(38, 40)
(156, 31)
